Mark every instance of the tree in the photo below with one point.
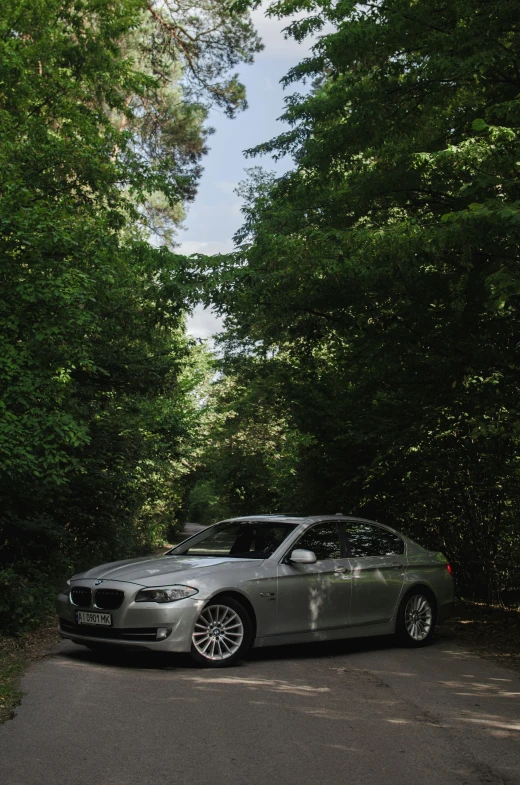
(101, 131)
(247, 464)
(381, 273)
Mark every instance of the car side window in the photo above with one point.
(366, 540)
(323, 540)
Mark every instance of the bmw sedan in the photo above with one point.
(261, 581)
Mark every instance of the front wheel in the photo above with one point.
(222, 633)
(416, 619)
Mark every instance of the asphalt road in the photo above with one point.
(352, 713)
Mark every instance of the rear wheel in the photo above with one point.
(223, 633)
(416, 618)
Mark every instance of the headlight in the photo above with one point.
(65, 588)
(168, 594)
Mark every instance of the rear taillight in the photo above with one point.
(449, 568)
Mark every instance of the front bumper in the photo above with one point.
(134, 623)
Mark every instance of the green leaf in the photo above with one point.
(479, 125)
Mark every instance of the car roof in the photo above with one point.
(309, 520)
(305, 519)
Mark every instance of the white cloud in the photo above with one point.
(276, 44)
(203, 323)
(210, 248)
(270, 31)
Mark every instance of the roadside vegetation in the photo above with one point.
(16, 653)
(490, 631)
(103, 107)
(370, 359)
(369, 362)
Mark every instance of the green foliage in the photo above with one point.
(246, 464)
(205, 504)
(101, 136)
(11, 668)
(27, 596)
(375, 287)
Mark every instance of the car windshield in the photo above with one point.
(241, 539)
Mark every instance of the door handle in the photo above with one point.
(397, 566)
(340, 570)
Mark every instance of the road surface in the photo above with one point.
(349, 713)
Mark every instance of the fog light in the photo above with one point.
(162, 633)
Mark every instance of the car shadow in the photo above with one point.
(321, 650)
(132, 659)
(150, 660)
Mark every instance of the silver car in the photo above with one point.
(262, 580)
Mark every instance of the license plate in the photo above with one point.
(101, 619)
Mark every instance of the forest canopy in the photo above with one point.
(103, 107)
(369, 360)
(371, 304)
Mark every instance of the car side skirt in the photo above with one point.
(360, 631)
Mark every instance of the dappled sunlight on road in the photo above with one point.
(86, 664)
(376, 671)
(492, 721)
(480, 689)
(363, 711)
(274, 685)
(343, 747)
(385, 700)
(325, 713)
(476, 696)
(461, 654)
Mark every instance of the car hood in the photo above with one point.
(162, 570)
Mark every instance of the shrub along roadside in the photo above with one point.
(16, 653)
(25, 599)
(101, 137)
(372, 297)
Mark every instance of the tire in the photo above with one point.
(222, 634)
(416, 618)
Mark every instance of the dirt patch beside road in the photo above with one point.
(490, 631)
(15, 654)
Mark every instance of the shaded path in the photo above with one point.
(353, 712)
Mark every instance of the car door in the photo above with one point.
(378, 566)
(313, 597)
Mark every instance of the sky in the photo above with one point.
(215, 215)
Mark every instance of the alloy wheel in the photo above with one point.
(218, 633)
(418, 617)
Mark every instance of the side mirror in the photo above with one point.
(301, 556)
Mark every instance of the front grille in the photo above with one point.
(81, 596)
(110, 633)
(108, 599)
